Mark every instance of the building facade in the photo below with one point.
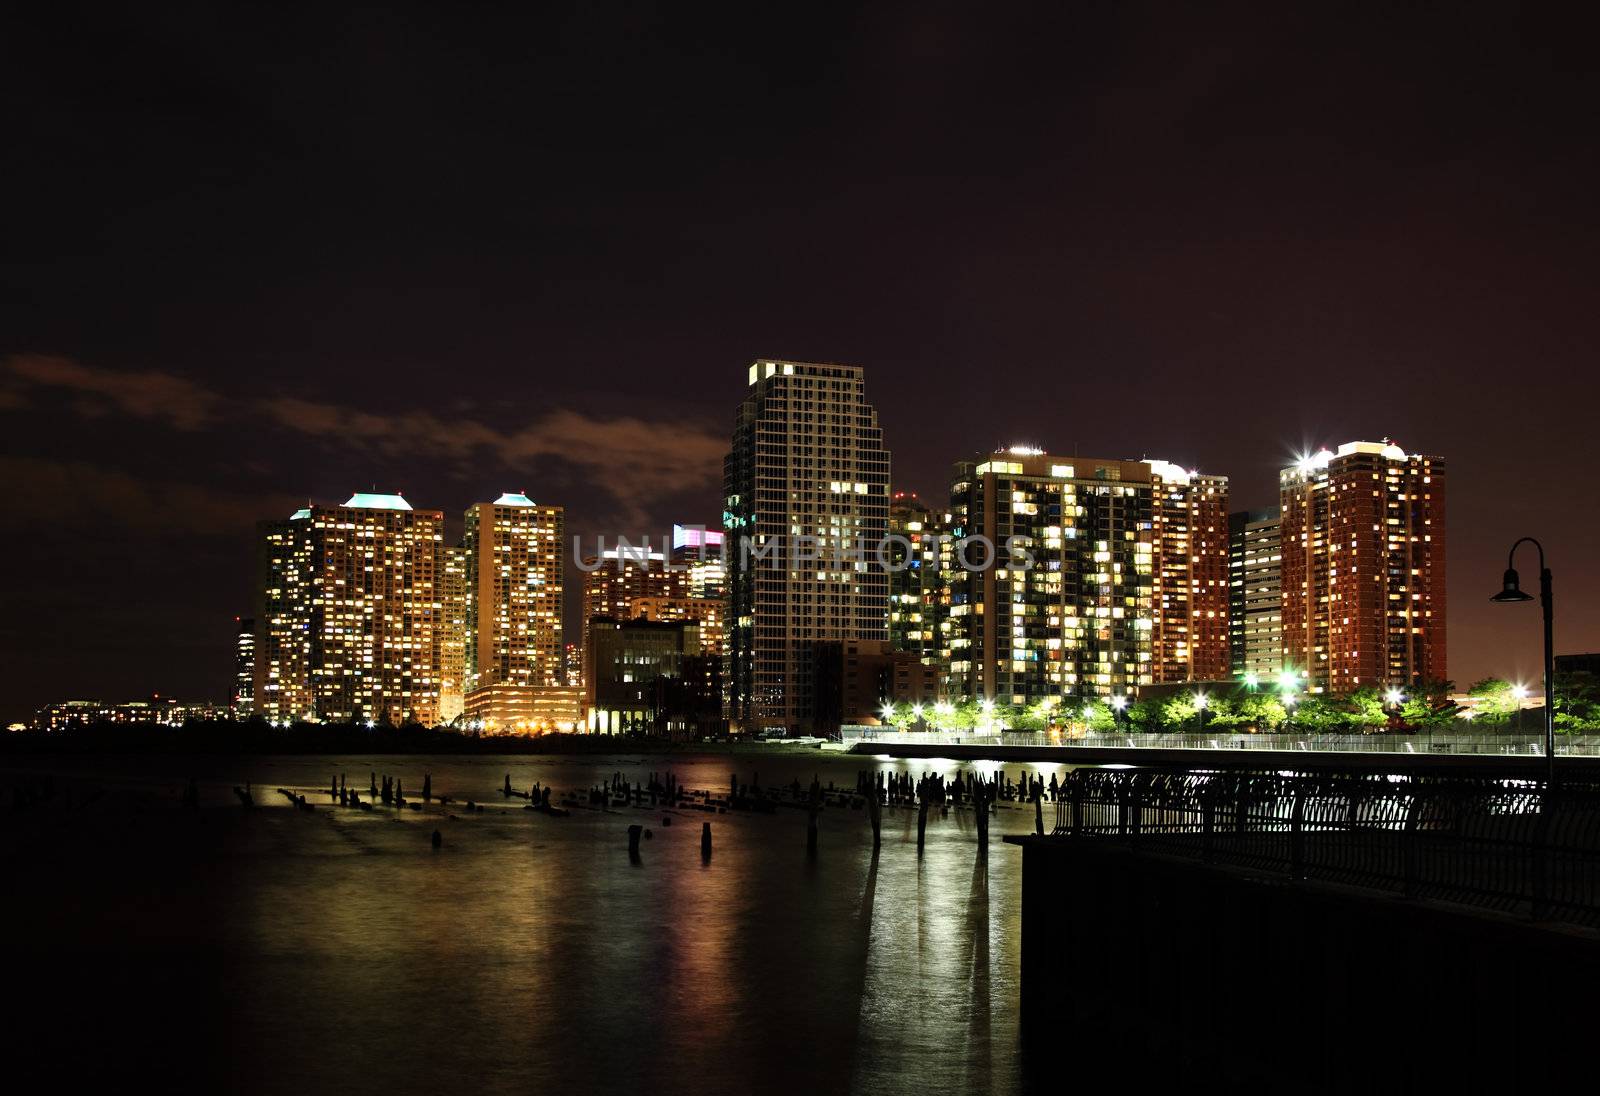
(350, 620)
(508, 708)
(624, 662)
(1255, 594)
(1363, 545)
(1107, 575)
(615, 580)
(806, 487)
(1078, 622)
(244, 668)
(453, 635)
(1189, 527)
(919, 590)
(515, 552)
(857, 677)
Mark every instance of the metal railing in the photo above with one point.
(1510, 845)
(1484, 744)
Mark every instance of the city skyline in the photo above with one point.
(1224, 247)
(655, 545)
(1215, 653)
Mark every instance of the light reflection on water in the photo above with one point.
(529, 951)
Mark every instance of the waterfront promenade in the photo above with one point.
(1388, 752)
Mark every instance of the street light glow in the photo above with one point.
(1394, 696)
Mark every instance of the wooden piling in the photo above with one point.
(705, 841)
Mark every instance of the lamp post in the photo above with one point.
(1511, 590)
(1201, 702)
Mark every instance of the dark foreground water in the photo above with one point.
(277, 950)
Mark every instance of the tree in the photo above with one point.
(1262, 711)
(1099, 718)
(1577, 703)
(1496, 699)
(1178, 712)
(1146, 714)
(1367, 709)
(1429, 705)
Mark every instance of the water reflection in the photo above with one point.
(528, 951)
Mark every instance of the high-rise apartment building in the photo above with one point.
(349, 613)
(1189, 525)
(1255, 594)
(919, 593)
(806, 480)
(453, 592)
(1127, 584)
(285, 588)
(515, 561)
(1363, 544)
(702, 611)
(617, 578)
(244, 668)
(701, 551)
(1077, 622)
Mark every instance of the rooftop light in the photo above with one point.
(363, 500)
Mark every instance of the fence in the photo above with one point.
(1488, 744)
(1510, 845)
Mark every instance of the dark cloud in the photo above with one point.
(632, 460)
(80, 497)
(148, 395)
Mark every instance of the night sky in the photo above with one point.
(252, 257)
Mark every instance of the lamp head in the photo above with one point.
(1512, 590)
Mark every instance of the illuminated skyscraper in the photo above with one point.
(1255, 594)
(1127, 585)
(919, 593)
(1363, 544)
(807, 474)
(453, 633)
(1189, 522)
(351, 613)
(615, 580)
(1076, 623)
(244, 668)
(515, 559)
(701, 551)
(286, 588)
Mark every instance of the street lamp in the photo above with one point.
(1511, 590)
(1394, 698)
(1200, 704)
(1119, 704)
(1519, 693)
(1289, 701)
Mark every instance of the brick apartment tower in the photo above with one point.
(1363, 542)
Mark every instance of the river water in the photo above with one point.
(278, 950)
